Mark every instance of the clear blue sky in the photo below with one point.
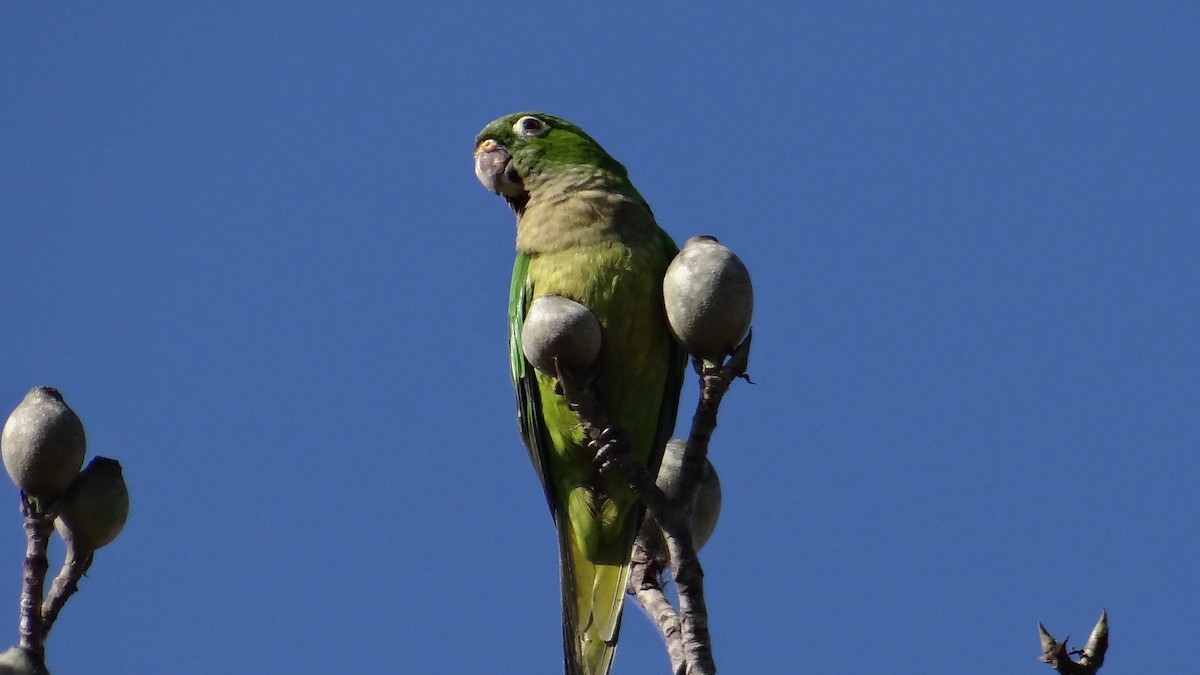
(245, 241)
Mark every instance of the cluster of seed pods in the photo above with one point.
(43, 446)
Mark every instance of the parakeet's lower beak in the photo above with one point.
(494, 168)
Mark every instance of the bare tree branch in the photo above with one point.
(39, 523)
(677, 532)
(65, 585)
(645, 582)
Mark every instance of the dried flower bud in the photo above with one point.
(709, 298)
(43, 444)
(557, 327)
(95, 507)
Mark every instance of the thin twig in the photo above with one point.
(689, 576)
(64, 586)
(645, 582)
(38, 525)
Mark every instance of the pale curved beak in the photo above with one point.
(494, 169)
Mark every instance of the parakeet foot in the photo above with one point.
(612, 448)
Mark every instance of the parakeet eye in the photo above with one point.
(529, 126)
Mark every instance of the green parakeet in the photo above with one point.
(584, 233)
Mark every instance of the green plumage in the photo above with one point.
(584, 232)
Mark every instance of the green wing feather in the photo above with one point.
(529, 400)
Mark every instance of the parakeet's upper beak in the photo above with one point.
(494, 168)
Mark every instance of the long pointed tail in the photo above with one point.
(592, 598)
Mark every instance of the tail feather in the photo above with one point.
(592, 599)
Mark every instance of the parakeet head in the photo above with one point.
(521, 153)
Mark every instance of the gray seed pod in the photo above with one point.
(43, 444)
(706, 501)
(95, 507)
(709, 298)
(559, 327)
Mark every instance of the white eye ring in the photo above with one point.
(530, 126)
